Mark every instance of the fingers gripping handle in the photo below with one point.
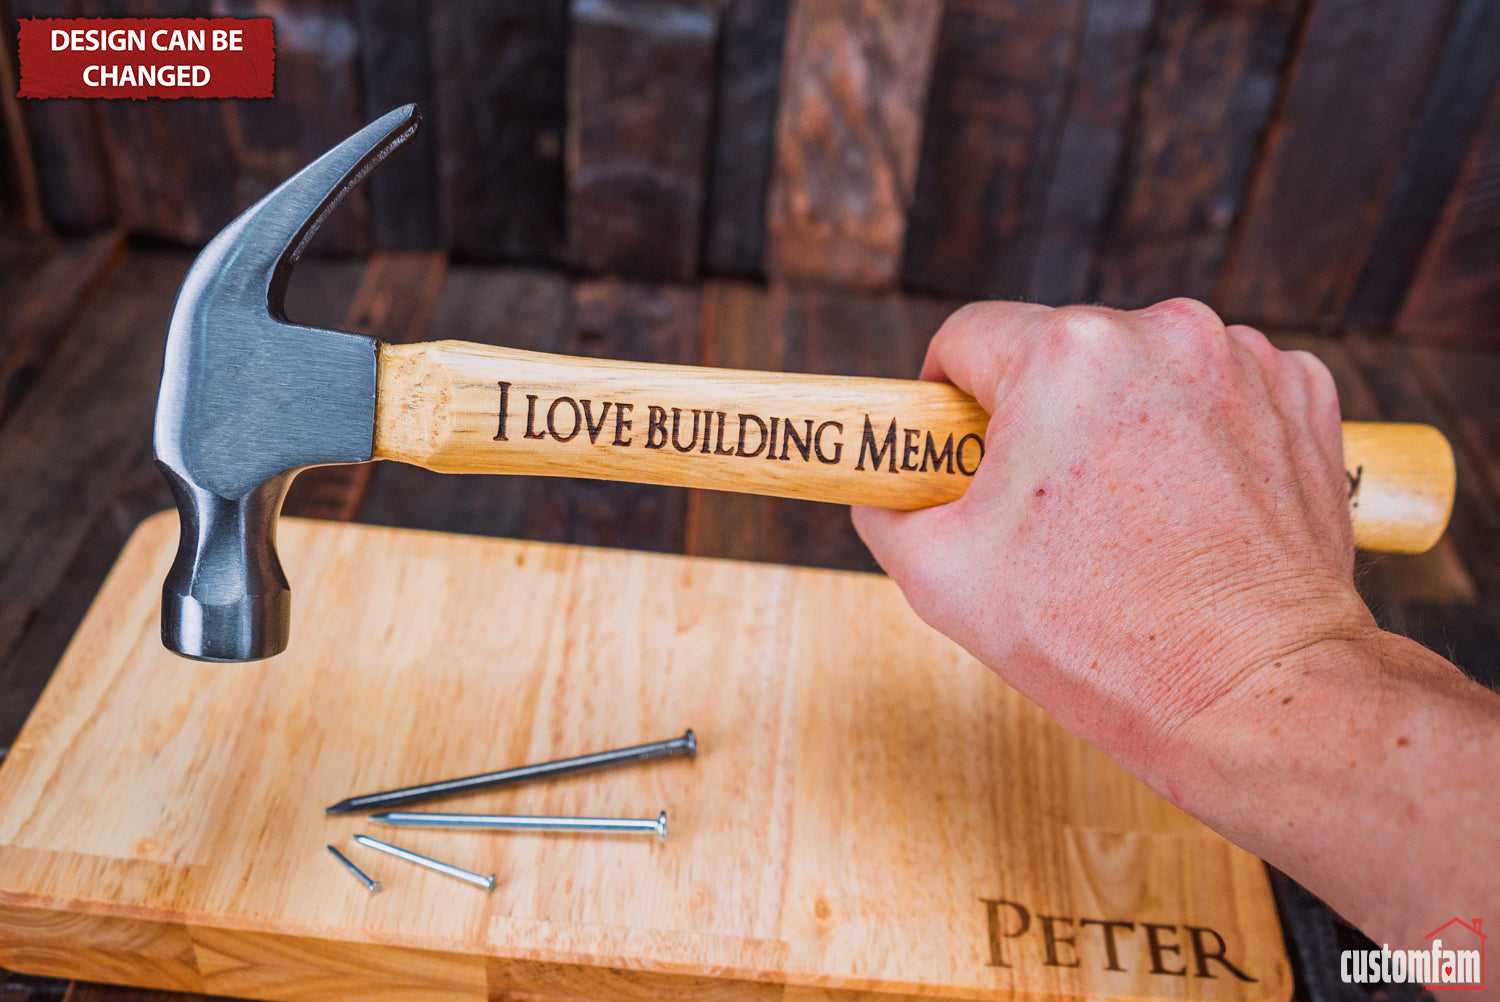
(466, 408)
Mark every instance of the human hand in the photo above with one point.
(1159, 525)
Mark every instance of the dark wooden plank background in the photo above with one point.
(782, 184)
(1314, 164)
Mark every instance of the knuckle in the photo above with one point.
(1322, 389)
(1080, 329)
(1252, 339)
(1187, 315)
(969, 317)
(1316, 372)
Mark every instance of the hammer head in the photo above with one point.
(248, 399)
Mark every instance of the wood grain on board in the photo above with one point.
(640, 104)
(875, 826)
(848, 135)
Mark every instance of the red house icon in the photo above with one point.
(1454, 961)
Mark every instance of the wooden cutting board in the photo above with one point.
(872, 811)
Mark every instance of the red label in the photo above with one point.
(147, 57)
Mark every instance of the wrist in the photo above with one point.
(1352, 740)
(1265, 694)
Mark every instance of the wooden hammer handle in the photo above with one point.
(468, 408)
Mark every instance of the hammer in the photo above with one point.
(248, 400)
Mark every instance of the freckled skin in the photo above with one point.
(1175, 584)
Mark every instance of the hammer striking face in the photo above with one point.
(248, 399)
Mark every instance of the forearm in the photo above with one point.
(1364, 769)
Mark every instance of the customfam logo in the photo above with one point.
(1450, 965)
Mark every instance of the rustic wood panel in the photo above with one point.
(27, 662)
(1395, 377)
(499, 93)
(394, 302)
(749, 70)
(1090, 150)
(80, 430)
(1202, 107)
(40, 302)
(517, 308)
(67, 465)
(632, 322)
(1328, 168)
(998, 98)
(172, 172)
(848, 136)
(21, 197)
(1463, 383)
(67, 143)
(1455, 296)
(640, 92)
(71, 173)
(394, 43)
(317, 104)
(742, 328)
(1455, 104)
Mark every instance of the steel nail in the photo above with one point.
(527, 823)
(467, 876)
(371, 885)
(686, 745)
